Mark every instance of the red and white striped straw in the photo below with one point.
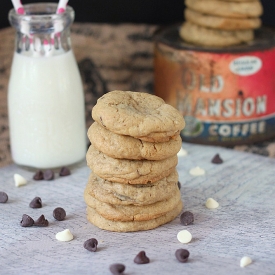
(18, 6)
(61, 6)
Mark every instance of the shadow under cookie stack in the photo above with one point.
(133, 184)
(220, 23)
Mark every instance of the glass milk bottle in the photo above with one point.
(45, 95)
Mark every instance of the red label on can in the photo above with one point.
(224, 97)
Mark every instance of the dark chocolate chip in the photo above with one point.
(186, 218)
(91, 245)
(64, 172)
(38, 175)
(3, 197)
(26, 221)
(179, 185)
(217, 159)
(48, 175)
(117, 269)
(41, 221)
(182, 255)
(102, 122)
(36, 203)
(141, 258)
(59, 213)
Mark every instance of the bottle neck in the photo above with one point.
(40, 31)
(38, 45)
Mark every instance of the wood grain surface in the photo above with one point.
(242, 225)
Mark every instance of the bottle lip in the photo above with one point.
(37, 12)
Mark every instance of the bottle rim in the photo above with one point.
(37, 12)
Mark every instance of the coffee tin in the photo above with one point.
(226, 95)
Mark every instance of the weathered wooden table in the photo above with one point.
(243, 224)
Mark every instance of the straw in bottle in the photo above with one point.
(18, 6)
(61, 6)
(58, 25)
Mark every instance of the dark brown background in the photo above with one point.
(134, 11)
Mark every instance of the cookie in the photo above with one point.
(226, 9)
(126, 147)
(129, 171)
(131, 226)
(140, 115)
(198, 35)
(238, 0)
(223, 23)
(133, 212)
(132, 194)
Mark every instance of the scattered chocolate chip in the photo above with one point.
(184, 236)
(182, 255)
(141, 258)
(59, 213)
(36, 203)
(91, 245)
(186, 218)
(179, 185)
(48, 175)
(64, 172)
(3, 197)
(197, 171)
(38, 175)
(217, 159)
(41, 221)
(117, 269)
(26, 221)
(64, 236)
(211, 203)
(19, 180)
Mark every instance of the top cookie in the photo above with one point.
(140, 115)
(238, 0)
(227, 9)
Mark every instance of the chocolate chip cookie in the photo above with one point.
(127, 147)
(226, 8)
(95, 218)
(199, 35)
(129, 171)
(140, 115)
(133, 212)
(223, 23)
(132, 194)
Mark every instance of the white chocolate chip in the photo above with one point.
(197, 171)
(64, 236)
(245, 261)
(184, 236)
(19, 180)
(211, 203)
(182, 153)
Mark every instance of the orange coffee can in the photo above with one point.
(226, 95)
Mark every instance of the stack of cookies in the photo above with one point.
(220, 23)
(133, 184)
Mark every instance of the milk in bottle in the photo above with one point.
(45, 95)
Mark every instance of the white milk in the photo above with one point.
(46, 111)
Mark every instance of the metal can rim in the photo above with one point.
(169, 35)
